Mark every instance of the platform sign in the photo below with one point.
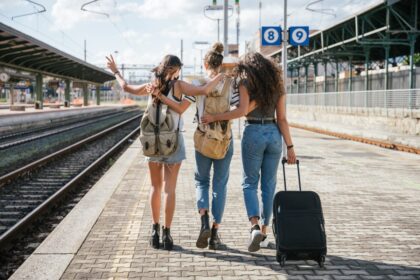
(299, 35)
(271, 36)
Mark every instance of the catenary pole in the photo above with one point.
(225, 24)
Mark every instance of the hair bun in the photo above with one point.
(218, 47)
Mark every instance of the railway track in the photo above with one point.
(28, 192)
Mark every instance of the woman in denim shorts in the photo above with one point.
(164, 170)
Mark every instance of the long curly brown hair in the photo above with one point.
(263, 79)
(168, 66)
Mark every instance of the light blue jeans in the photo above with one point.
(219, 183)
(261, 152)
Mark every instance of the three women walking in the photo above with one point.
(256, 90)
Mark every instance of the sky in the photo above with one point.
(143, 31)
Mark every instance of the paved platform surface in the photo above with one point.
(371, 201)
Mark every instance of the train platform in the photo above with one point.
(370, 197)
(5, 109)
(15, 120)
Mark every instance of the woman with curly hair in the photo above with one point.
(263, 102)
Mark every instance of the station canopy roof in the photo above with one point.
(21, 51)
(392, 24)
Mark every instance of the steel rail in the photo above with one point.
(18, 172)
(12, 232)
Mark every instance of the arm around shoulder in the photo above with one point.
(240, 111)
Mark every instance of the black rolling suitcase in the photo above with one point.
(298, 225)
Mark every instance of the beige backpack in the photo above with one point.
(158, 135)
(213, 140)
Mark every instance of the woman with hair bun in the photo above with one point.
(263, 102)
(209, 236)
(164, 170)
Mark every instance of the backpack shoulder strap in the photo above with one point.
(157, 127)
(226, 86)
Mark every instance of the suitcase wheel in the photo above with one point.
(281, 258)
(321, 261)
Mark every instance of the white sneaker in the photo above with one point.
(255, 239)
(265, 243)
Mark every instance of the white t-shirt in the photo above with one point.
(199, 100)
(177, 119)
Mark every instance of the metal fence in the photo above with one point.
(404, 98)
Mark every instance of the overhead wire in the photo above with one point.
(35, 5)
(107, 16)
(322, 10)
(42, 10)
(37, 31)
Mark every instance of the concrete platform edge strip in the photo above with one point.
(51, 258)
(358, 138)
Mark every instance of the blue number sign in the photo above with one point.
(271, 36)
(299, 35)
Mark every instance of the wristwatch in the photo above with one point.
(289, 147)
(116, 72)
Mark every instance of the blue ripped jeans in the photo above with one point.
(261, 152)
(219, 183)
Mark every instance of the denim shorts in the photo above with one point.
(177, 157)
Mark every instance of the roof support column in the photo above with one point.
(412, 49)
(350, 86)
(315, 74)
(67, 94)
(85, 94)
(412, 75)
(298, 79)
(386, 64)
(291, 80)
(38, 89)
(98, 95)
(12, 93)
(325, 75)
(367, 61)
(306, 78)
(336, 76)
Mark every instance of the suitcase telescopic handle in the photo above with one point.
(283, 162)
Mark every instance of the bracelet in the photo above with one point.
(116, 72)
(289, 147)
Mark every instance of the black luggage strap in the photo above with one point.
(283, 162)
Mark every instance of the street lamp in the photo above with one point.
(201, 45)
(209, 10)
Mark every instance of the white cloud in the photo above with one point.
(130, 34)
(67, 13)
(160, 9)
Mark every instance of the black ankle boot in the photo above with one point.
(167, 240)
(215, 241)
(154, 239)
(202, 240)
